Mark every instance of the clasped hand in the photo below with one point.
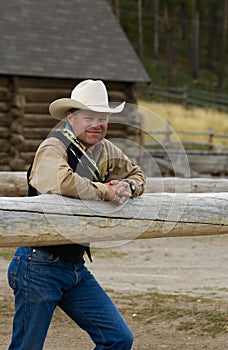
(118, 191)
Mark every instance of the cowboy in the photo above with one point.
(77, 161)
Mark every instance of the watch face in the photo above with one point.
(132, 186)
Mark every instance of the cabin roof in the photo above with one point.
(74, 39)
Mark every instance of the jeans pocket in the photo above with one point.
(42, 256)
(13, 272)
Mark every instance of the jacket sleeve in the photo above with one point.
(52, 174)
(121, 168)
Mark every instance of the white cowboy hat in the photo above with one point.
(89, 94)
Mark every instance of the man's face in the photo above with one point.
(89, 127)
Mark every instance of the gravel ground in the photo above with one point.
(190, 266)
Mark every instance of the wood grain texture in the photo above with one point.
(14, 183)
(53, 219)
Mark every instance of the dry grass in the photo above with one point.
(192, 119)
(197, 316)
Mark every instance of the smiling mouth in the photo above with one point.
(93, 132)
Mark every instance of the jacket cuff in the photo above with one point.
(101, 190)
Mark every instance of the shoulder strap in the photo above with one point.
(31, 190)
(78, 159)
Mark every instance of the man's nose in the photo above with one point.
(96, 123)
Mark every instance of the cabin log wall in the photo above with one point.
(25, 120)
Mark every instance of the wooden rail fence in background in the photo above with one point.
(188, 96)
(168, 132)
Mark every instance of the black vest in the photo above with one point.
(69, 252)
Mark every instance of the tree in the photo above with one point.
(156, 29)
(221, 72)
(195, 41)
(140, 30)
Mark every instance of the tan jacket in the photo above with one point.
(52, 174)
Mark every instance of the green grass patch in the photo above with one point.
(185, 313)
(7, 253)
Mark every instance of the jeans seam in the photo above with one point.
(26, 292)
(88, 319)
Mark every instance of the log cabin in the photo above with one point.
(46, 49)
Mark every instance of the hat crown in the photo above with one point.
(91, 93)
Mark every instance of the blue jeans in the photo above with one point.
(41, 282)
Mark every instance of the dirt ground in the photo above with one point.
(173, 293)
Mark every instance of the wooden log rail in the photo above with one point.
(14, 184)
(53, 219)
(170, 207)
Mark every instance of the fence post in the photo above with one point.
(210, 146)
(185, 96)
(168, 132)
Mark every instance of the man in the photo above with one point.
(77, 161)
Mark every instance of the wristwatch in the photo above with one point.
(132, 186)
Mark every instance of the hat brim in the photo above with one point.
(59, 108)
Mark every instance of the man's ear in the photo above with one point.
(69, 118)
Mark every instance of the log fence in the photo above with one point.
(14, 184)
(54, 219)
